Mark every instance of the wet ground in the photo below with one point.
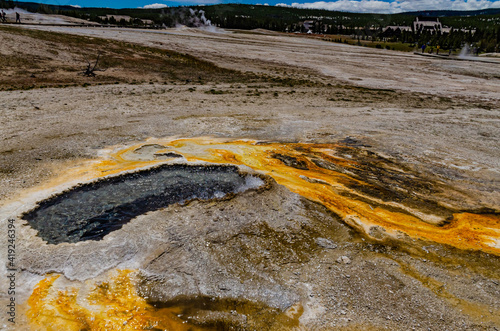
(91, 211)
(333, 240)
(380, 208)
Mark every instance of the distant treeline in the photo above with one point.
(161, 17)
(482, 28)
(484, 40)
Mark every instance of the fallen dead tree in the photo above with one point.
(91, 69)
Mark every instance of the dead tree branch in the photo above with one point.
(91, 69)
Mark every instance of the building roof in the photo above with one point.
(116, 17)
(427, 19)
(395, 27)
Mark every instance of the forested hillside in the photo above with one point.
(480, 28)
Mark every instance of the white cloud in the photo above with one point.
(396, 6)
(76, 6)
(154, 6)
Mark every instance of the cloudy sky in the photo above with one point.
(360, 6)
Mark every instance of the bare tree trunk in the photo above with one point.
(90, 70)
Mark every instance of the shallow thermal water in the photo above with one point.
(377, 196)
(91, 211)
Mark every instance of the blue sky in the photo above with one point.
(361, 6)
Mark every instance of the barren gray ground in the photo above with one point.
(438, 117)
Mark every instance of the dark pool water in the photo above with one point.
(91, 211)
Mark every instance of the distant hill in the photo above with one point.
(454, 13)
(242, 16)
(279, 18)
(285, 13)
(480, 28)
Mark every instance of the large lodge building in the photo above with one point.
(422, 24)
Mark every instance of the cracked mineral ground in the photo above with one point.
(233, 181)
